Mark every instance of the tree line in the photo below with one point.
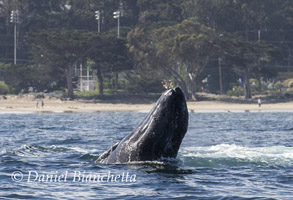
(162, 42)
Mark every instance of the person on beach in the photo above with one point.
(42, 104)
(259, 102)
(37, 104)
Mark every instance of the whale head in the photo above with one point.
(158, 136)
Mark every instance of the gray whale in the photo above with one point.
(158, 136)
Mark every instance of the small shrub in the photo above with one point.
(4, 89)
(238, 91)
(278, 85)
(253, 81)
(289, 83)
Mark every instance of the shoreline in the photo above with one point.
(20, 105)
(138, 111)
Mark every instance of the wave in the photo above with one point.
(37, 150)
(233, 155)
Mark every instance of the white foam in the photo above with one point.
(271, 155)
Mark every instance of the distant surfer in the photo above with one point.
(259, 102)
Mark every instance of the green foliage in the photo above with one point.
(93, 93)
(111, 53)
(61, 49)
(211, 72)
(4, 89)
(255, 87)
(180, 50)
(158, 10)
(289, 83)
(237, 91)
(177, 38)
(22, 77)
(243, 54)
(285, 75)
(144, 81)
(279, 85)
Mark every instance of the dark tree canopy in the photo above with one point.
(176, 39)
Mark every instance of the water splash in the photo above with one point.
(233, 155)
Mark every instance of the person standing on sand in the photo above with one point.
(259, 102)
(37, 104)
(42, 104)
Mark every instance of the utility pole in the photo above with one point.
(98, 17)
(88, 78)
(80, 74)
(117, 16)
(259, 65)
(14, 19)
(289, 59)
(220, 76)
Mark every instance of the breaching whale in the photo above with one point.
(158, 136)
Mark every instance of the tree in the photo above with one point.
(110, 56)
(32, 15)
(23, 76)
(243, 56)
(262, 20)
(181, 50)
(154, 11)
(61, 49)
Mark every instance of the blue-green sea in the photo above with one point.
(223, 156)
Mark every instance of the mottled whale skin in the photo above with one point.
(158, 136)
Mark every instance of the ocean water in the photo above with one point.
(223, 156)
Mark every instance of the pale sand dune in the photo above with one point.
(15, 104)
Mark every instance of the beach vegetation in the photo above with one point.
(4, 89)
(237, 91)
(289, 83)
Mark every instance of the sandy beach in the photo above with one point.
(28, 104)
